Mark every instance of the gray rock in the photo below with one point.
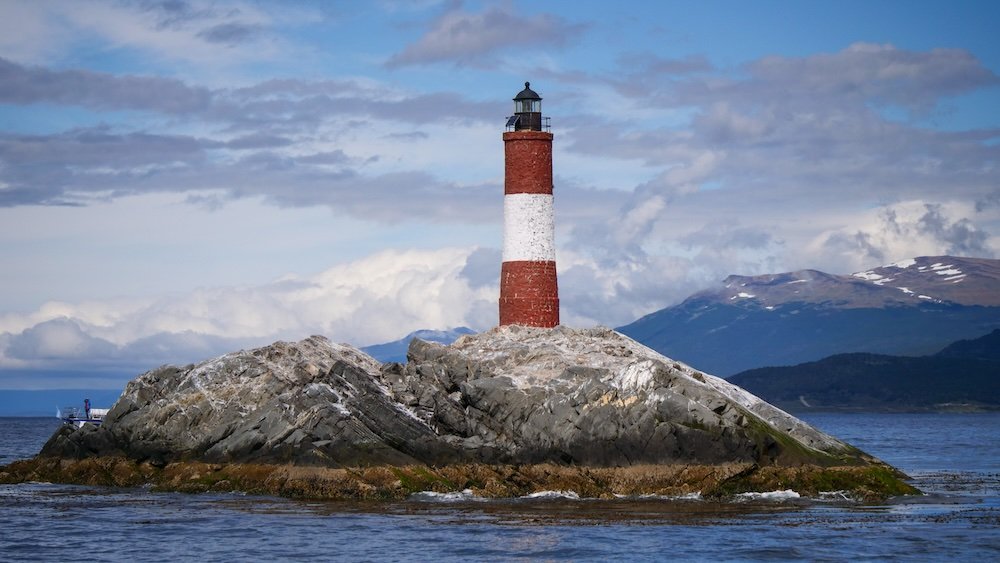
(509, 395)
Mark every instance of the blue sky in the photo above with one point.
(182, 178)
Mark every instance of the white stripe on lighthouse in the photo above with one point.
(528, 225)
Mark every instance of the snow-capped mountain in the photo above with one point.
(935, 279)
(913, 307)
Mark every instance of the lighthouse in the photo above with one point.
(529, 292)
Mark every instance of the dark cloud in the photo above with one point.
(808, 127)
(730, 237)
(473, 39)
(861, 75)
(328, 157)
(883, 74)
(858, 243)
(409, 136)
(76, 166)
(230, 34)
(171, 14)
(988, 201)
(70, 167)
(274, 103)
(962, 237)
(48, 169)
(295, 106)
(179, 14)
(482, 268)
(96, 90)
(258, 141)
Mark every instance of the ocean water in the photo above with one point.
(954, 457)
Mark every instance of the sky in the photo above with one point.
(183, 178)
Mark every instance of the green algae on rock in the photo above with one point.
(868, 483)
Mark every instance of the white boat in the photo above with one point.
(73, 415)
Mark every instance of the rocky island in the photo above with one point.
(508, 412)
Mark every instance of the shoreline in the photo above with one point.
(870, 483)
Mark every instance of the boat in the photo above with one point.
(76, 417)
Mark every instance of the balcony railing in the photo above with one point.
(514, 123)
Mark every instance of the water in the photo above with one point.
(955, 457)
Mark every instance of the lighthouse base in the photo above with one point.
(529, 294)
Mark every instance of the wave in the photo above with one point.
(570, 495)
(455, 496)
(684, 497)
(774, 496)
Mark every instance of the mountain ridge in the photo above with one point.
(935, 279)
(911, 307)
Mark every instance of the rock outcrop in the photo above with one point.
(512, 395)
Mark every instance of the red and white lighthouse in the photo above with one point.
(529, 292)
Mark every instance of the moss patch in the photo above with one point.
(873, 482)
(869, 483)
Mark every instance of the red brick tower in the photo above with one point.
(529, 293)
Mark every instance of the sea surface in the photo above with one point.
(955, 458)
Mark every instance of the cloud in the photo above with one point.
(65, 167)
(473, 39)
(56, 339)
(873, 73)
(907, 229)
(273, 102)
(198, 32)
(961, 236)
(792, 147)
(374, 299)
(265, 138)
(482, 268)
(230, 34)
(97, 90)
(860, 75)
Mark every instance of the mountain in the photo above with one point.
(395, 351)
(911, 308)
(965, 374)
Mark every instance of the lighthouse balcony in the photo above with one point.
(529, 122)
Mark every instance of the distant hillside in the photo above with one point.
(912, 308)
(964, 374)
(395, 351)
(985, 348)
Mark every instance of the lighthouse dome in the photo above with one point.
(527, 93)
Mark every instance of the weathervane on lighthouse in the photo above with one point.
(529, 292)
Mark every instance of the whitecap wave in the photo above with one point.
(684, 497)
(836, 495)
(775, 496)
(571, 495)
(454, 496)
